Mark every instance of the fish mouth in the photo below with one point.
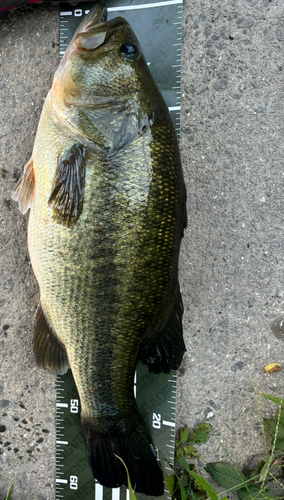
(96, 32)
(97, 15)
(98, 35)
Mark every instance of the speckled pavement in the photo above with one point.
(231, 266)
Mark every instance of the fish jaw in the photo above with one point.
(96, 16)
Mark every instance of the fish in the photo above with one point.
(107, 202)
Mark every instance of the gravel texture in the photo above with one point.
(231, 267)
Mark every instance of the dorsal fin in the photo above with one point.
(67, 193)
(49, 351)
(23, 193)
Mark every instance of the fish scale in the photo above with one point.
(165, 385)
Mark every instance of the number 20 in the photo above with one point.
(156, 421)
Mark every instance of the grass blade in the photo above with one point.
(274, 399)
(11, 486)
(10, 491)
(182, 489)
(269, 461)
(261, 421)
(132, 494)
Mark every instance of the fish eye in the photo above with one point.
(130, 51)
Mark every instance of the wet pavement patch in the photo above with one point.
(277, 327)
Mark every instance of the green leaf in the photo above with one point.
(179, 453)
(270, 427)
(254, 493)
(269, 494)
(200, 433)
(184, 434)
(249, 493)
(205, 485)
(197, 486)
(279, 445)
(274, 399)
(280, 430)
(185, 465)
(227, 476)
(190, 451)
(281, 418)
(275, 455)
(170, 482)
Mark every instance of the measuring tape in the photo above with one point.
(158, 28)
(156, 400)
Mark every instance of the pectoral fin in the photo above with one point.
(67, 193)
(23, 193)
(49, 352)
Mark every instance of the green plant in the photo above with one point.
(10, 490)
(185, 443)
(190, 485)
(251, 485)
(11, 485)
(255, 486)
(233, 480)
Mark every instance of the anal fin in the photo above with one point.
(23, 193)
(164, 351)
(67, 193)
(49, 352)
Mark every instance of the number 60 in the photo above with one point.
(73, 483)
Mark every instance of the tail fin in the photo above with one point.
(128, 439)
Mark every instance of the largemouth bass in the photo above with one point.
(107, 212)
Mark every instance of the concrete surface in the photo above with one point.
(231, 267)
